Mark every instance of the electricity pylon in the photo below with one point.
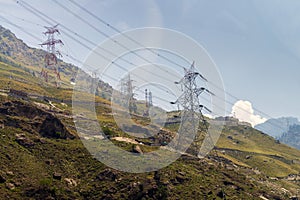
(127, 94)
(150, 99)
(51, 60)
(191, 114)
(148, 102)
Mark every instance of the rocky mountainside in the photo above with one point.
(42, 156)
(292, 136)
(276, 127)
(283, 129)
(15, 52)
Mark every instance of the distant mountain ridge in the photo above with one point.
(284, 129)
(292, 136)
(277, 127)
(42, 157)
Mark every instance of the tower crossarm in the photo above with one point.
(51, 42)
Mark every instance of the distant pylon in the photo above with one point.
(128, 94)
(50, 60)
(192, 109)
(150, 99)
(148, 102)
(146, 98)
(94, 84)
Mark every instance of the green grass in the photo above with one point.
(71, 159)
(267, 155)
(202, 178)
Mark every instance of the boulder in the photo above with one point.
(137, 149)
(57, 176)
(230, 137)
(10, 186)
(24, 141)
(71, 182)
(2, 179)
(107, 174)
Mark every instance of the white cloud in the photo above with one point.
(210, 116)
(243, 111)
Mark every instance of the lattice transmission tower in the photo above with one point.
(191, 114)
(148, 102)
(128, 94)
(150, 99)
(51, 57)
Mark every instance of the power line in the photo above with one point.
(72, 38)
(115, 41)
(47, 18)
(43, 16)
(38, 39)
(192, 113)
(104, 34)
(22, 19)
(136, 42)
(120, 32)
(107, 75)
(20, 28)
(73, 58)
(131, 39)
(210, 82)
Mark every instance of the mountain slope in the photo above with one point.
(284, 129)
(292, 136)
(15, 53)
(276, 127)
(47, 166)
(43, 158)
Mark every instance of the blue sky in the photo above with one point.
(255, 43)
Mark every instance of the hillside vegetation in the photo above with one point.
(42, 157)
(55, 165)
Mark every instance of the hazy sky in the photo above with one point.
(255, 43)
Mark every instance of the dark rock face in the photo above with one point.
(34, 120)
(17, 108)
(52, 127)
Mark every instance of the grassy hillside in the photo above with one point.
(249, 164)
(43, 158)
(259, 151)
(50, 167)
